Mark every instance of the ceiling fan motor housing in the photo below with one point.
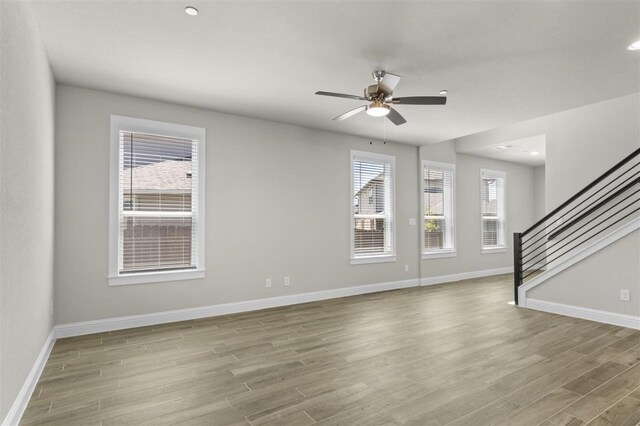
(375, 91)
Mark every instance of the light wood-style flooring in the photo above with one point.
(453, 354)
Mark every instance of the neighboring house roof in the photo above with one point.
(377, 179)
(169, 175)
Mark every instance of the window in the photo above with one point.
(372, 207)
(493, 207)
(438, 188)
(156, 201)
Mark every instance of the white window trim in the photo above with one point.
(121, 123)
(501, 248)
(438, 254)
(442, 253)
(374, 258)
(498, 249)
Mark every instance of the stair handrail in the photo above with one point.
(518, 249)
(577, 195)
(592, 209)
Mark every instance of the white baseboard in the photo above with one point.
(155, 318)
(110, 324)
(621, 320)
(20, 404)
(441, 279)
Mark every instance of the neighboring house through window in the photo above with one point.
(372, 207)
(493, 207)
(438, 188)
(157, 201)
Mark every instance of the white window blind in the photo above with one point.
(159, 208)
(438, 208)
(372, 205)
(493, 207)
(156, 223)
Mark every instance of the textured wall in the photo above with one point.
(581, 144)
(277, 205)
(26, 194)
(520, 208)
(595, 284)
(539, 193)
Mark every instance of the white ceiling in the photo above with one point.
(516, 151)
(502, 61)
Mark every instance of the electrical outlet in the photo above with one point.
(406, 268)
(267, 283)
(287, 281)
(624, 295)
(412, 221)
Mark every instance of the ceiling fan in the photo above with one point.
(380, 96)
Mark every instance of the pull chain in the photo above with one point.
(384, 130)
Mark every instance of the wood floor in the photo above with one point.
(451, 354)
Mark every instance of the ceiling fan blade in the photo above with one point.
(395, 117)
(389, 82)
(351, 113)
(420, 100)
(341, 95)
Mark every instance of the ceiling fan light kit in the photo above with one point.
(378, 109)
(380, 96)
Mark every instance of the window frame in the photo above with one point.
(445, 167)
(122, 123)
(356, 155)
(501, 248)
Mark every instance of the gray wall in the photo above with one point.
(520, 207)
(26, 191)
(271, 233)
(596, 283)
(539, 193)
(581, 144)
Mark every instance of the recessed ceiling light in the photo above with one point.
(503, 147)
(444, 92)
(534, 153)
(190, 10)
(634, 46)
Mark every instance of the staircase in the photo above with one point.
(602, 212)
